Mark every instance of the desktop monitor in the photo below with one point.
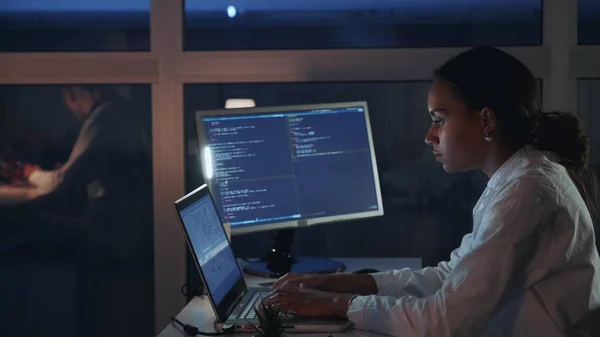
(287, 167)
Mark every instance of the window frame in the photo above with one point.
(167, 67)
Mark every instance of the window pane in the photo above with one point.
(324, 24)
(588, 103)
(83, 222)
(589, 22)
(71, 25)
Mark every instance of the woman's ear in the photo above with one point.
(488, 122)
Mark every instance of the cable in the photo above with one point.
(191, 330)
(198, 290)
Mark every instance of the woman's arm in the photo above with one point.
(419, 283)
(474, 287)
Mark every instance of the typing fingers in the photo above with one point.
(289, 280)
(283, 296)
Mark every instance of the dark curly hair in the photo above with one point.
(489, 77)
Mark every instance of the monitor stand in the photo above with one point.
(279, 261)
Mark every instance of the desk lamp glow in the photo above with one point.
(238, 103)
(287, 167)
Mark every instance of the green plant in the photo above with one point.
(271, 320)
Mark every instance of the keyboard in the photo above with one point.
(253, 303)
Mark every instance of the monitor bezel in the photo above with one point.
(235, 294)
(202, 141)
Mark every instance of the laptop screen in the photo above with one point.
(211, 247)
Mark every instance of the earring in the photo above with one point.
(488, 136)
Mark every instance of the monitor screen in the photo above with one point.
(290, 166)
(211, 247)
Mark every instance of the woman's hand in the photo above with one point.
(311, 281)
(334, 283)
(310, 302)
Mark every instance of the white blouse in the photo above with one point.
(529, 267)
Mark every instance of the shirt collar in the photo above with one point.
(511, 167)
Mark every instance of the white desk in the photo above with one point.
(199, 313)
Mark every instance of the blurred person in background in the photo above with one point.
(112, 234)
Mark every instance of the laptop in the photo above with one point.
(233, 302)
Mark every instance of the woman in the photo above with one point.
(530, 266)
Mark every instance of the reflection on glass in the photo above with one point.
(76, 206)
(324, 24)
(588, 22)
(91, 25)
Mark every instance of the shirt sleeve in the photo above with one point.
(471, 291)
(93, 140)
(419, 283)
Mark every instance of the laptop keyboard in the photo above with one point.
(253, 303)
